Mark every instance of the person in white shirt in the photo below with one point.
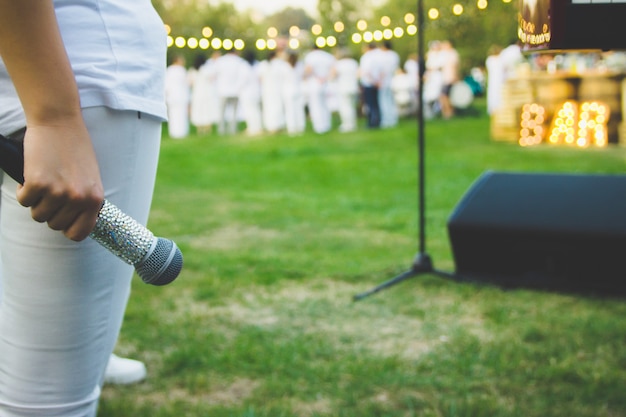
(390, 64)
(450, 75)
(93, 105)
(370, 77)
(200, 83)
(511, 57)
(273, 107)
(433, 79)
(318, 65)
(495, 79)
(403, 92)
(230, 77)
(346, 77)
(250, 96)
(293, 94)
(411, 68)
(177, 94)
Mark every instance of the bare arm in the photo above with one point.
(62, 184)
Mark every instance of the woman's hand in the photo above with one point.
(62, 183)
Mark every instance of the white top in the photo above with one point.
(371, 67)
(177, 89)
(231, 71)
(450, 66)
(117, 49)
(391, 63)
(347, 75)
(318, 64)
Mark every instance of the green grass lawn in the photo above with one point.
(279, 233)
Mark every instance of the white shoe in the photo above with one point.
(123, 371)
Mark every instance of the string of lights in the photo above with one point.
(298, 36)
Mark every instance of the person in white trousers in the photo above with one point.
(346, 77)
(318, 65)
(293, 95)
(250, 96)
(390, 64)
(272, 103)
(230, 77)
(177, 94)
(93, 132)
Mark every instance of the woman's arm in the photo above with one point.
(62, 184)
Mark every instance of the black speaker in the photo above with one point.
(558, 232)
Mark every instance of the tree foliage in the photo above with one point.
(475, 31)
(472, 32)
(286, 18)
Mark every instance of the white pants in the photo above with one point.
(178, 119)
(62, 302)
(229, 107)
(251, 109)
(321, 117)
(347, 103)
(295, 117)
(388, 109)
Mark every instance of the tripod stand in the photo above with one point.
(422, 264)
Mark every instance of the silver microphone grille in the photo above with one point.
(162, 265)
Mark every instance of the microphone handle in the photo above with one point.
(116, 231)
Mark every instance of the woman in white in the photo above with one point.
(318, 66)
(93, 104)
(177, 98)
(495, 78)
(293, 97)
(230, 72)
(433, 79)
(250, 96)
(345, 74)
(210, 69)
(272, 101)
(203, 111)
(390, 64)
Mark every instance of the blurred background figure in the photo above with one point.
(230, 76)
(390, 64)
(450, 66)
(213, 106)
(433, 79)
(272, 71)
(318, 65)
(495, 78)
(404, 94)
(293, 95)
(511, 57)
(370, 75)
(411, 69)
(250, 96)
(200, 114)
(345, 75)
(177, 98)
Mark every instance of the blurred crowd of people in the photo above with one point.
(287, 91)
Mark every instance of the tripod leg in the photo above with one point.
(422, 264)
(391, 282)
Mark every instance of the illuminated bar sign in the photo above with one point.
(572, 24)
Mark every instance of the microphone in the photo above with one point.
(157, 260)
